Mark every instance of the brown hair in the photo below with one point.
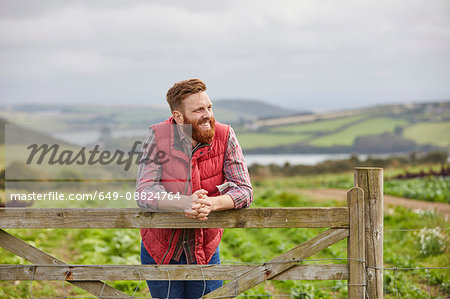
(180, 90)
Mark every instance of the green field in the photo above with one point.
(344, 131)
(348, 135)
(428, 189)
(433, 133)
(317, 126)
(328, 132)
(261, 140)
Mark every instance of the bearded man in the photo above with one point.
(201, 165)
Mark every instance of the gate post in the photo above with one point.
(370, 179)
(356, 244)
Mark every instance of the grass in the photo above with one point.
(261, 140)
(342, 180)
(433, 133)
(317, 126)
(368, 127)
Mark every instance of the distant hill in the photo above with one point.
(19, 135)
(254, 108)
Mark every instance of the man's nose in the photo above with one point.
(208, 114)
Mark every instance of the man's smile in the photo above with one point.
(206, 125)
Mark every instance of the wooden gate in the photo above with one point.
(361, 222)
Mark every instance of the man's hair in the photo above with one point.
(180, 90)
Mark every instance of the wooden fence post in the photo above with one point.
(356, 244)
(371, 181)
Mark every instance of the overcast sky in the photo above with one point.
(311, 55)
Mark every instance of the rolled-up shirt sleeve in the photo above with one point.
(237, 178)
(148, 177)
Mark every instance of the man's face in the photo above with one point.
(198, 113)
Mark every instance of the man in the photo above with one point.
(199, 161)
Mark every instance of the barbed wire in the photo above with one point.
(409, 269)
(415, 229)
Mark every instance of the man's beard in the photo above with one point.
(201, 135)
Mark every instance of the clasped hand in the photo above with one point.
(201, 206)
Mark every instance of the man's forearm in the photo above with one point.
(222, 202)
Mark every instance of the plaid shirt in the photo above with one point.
(235, 172)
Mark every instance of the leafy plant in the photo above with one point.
(432, 241)
(428, 188)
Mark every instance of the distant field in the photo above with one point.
(434, 133)
(255, 140)
(317, 126)
(371, 126)
(226, 115)
(294, 133)
(143, 115)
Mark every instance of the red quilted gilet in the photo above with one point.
(204, 171)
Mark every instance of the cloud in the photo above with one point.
(310, 52)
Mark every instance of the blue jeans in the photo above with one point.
(192, 289)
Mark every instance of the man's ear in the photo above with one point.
(178, 116)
